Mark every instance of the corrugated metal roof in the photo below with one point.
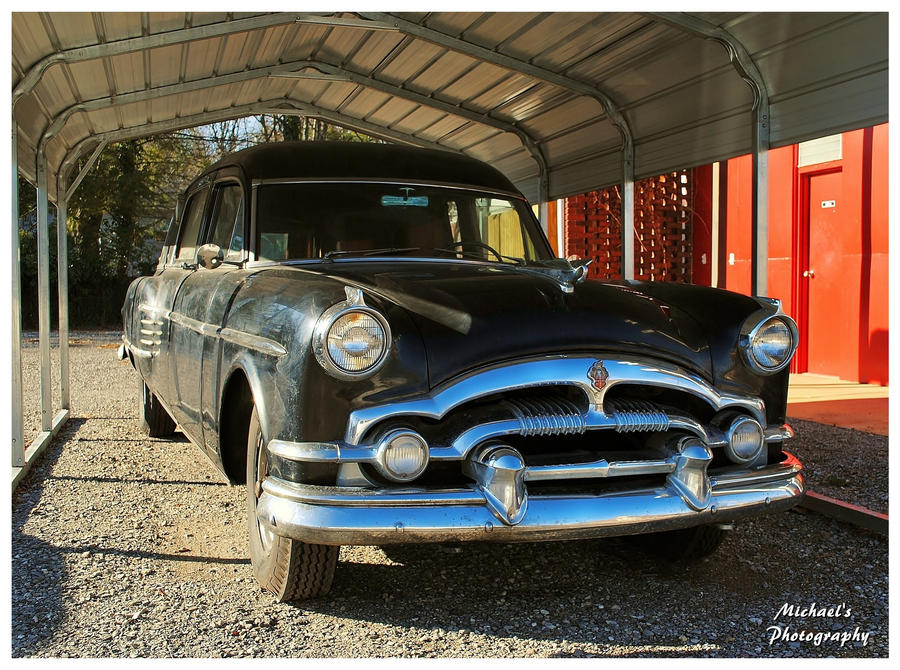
(521, 90)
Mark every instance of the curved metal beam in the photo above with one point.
(748, 71)
(340, 119)
(582, 88)
(510, 63)
(328, 69)
(59, 121)
(449, 108)
(277, 105)
(130, 45)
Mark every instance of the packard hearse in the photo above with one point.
(379, 343)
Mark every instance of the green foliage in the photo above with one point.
(118, 216)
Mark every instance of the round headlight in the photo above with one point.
(744, 440)
(351, 340)
(771, 344)
(356, 342)
(402, 455)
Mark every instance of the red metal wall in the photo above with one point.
(860, 301)
(674, 219)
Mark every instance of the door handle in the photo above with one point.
(809, 274)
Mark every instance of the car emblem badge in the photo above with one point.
(599, 374)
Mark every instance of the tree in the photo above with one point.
(117, 217)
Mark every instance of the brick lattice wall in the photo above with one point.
(662, 226)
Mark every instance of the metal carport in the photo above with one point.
(560, 102)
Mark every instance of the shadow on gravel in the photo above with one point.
(38, 569)
(151, 555)
(592, 592)
(524, 590)
(177, 438)
(135, 480)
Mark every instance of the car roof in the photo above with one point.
(362, 160)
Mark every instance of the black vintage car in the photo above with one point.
(378, 342)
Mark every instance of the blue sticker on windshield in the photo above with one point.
(404, 201)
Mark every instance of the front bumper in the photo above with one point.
(343, 515)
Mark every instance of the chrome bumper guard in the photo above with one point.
(499, 508)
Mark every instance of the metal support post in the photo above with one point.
(62, 272)
(561, 227)
(748, 71)
(544, 216)
(18, 448)
(760, 244)
(627, 209)
(43, 258)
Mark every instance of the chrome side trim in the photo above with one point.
(549, 371)
(256, 342)
(188, 322)
(779, 433)
(790, 466)
(136, 351)
(154, 309)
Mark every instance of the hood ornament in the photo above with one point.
(567, 272)
(598, 374)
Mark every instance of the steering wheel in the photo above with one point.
(480, 245)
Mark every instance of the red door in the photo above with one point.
(825, 280)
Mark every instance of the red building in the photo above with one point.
(828, 242)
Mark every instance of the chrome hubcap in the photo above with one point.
(266, 536)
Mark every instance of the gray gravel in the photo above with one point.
(843, 463)
(126, 546)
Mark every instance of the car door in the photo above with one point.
(199, 309)
(231, 232)
(156, 297)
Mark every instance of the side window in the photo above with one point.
(453, 216)
(228, 221)
(501, 228)
(171, 235)
(190, 227)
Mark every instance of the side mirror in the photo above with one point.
(210, 256)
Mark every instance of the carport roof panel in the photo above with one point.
(472, 82)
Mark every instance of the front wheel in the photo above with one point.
(290, 569)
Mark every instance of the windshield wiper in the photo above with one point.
(367, 252)
(514, 260)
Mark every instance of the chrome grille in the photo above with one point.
(546, 415)
(637, 415)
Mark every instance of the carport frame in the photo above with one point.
(20, 459)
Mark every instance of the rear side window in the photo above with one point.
(190, 227)
(228, 221)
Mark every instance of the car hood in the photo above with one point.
(472, 314)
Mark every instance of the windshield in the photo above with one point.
(297, 221)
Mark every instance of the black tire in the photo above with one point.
(155, 420)
(291, 570)
(687, 544)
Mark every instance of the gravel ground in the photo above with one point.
(127, 546)
(843, 463)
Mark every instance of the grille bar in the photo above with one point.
(547, 416)
(637, 415)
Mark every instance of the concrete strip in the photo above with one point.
(846, 512)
